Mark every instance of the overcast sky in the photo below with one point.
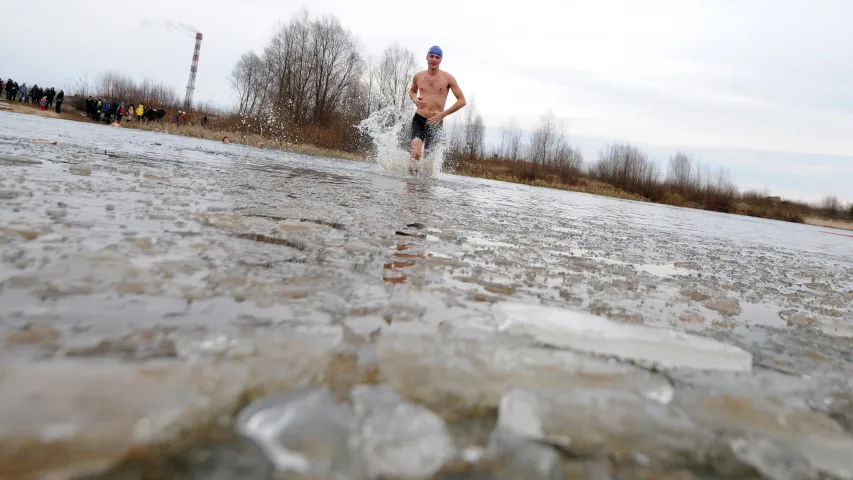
(763, 87)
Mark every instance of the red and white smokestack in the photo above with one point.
(188, 100)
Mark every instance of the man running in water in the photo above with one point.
(429, 93)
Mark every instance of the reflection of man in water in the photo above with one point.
(429, 93)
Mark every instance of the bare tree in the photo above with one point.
(544, 139)
(106, 83)
(549, 146)
(511, 141)
(370, 86)
(111, 85)
(456, 138)
(335, 57)
(474, 132)
(716, 191)
(830, 204)
(628, 168)
(287, 61)
(681, 173)
(358, 94)
(311, 64)
(723, 180)
(567, 160)
(246, 81)
(455, 155)
(81, 88)
(396, 69)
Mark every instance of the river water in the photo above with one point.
(181, 308)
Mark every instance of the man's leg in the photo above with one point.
(430, 137)
(417, 147)
(417, 135)
(428, 141)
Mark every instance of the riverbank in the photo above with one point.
(831, 223)
(30, 109)
(192, 131)
(720, 201)
(250, 139)
(754, 206)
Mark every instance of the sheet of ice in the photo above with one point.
(584, 422)
(666, 270)
(305, 431)
(399, 439)
(837, 328)
(590, 333)
(487, 243)
(518, 456)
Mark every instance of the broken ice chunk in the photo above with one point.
(306, 432)
(476, 373)
(398, 438)
(789, 432)
(519, 412)
(590, 333)
(519, 457)
(774, 462)
(595, 422)
(72, 418)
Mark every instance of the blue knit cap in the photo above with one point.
(435, 50)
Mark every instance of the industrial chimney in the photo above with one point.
(188, 100)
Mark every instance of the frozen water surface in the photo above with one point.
(580, 331)
(152, 287)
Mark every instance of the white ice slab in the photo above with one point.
(583, 331)
(836, 328)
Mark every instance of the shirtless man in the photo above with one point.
(429, 93)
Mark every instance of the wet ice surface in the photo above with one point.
(163, 284)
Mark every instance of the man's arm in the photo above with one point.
(460, 101)
(413, 93)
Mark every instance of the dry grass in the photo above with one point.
(716, 198)
(774, 213)
(831, 223)
(506, 173)
(30, 109)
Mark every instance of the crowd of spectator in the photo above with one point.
(109, 111)
(43, 97)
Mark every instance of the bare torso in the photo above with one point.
(432, 90)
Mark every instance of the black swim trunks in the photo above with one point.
(427, 133)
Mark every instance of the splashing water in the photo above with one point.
(389, 132)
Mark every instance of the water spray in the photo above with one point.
(389, 131)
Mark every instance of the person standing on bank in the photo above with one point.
(429, 93)
(60, 97)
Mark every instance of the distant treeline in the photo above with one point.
(547, 159)
(116, 86)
